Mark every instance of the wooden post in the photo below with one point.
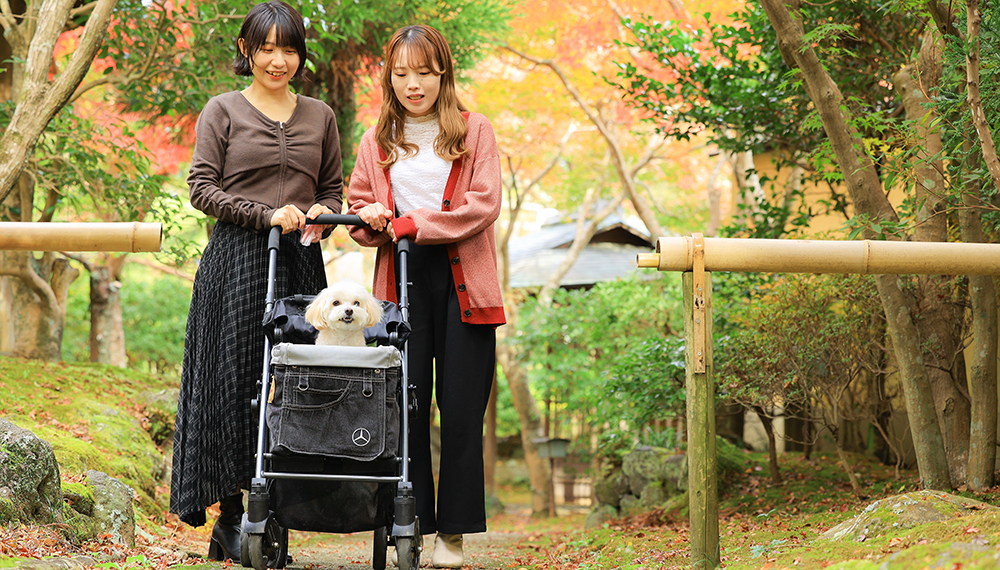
(703, 486)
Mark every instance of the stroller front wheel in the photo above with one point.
(407, 553)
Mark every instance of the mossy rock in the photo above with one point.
(674, 473)
(644, 465)
(100, 418)
(600, 515)
(610, 488)
(79, 497)
(731, 462)
(653, 496)
(901, 512)
(78, 528)
(29, 475)
(631, 505)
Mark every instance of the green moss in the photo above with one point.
(731, 462)
(8, 513)
(77, 528)
(90, 414)
(79, 497)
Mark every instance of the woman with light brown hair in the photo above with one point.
(429, 171)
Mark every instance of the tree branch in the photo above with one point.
(39, 100)
(586, 226)
(13, 32)
(515, 208)
(973, 96)
(647, 216)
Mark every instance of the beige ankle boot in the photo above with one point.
(447, 551)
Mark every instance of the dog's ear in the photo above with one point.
(374, 309)
(315, 310)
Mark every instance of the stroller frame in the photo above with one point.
(263, 542)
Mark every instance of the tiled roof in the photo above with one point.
(610, 255)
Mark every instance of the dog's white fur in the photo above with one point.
(341, 312)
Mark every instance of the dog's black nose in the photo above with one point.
(349, 312)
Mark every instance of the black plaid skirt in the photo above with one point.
(224, 357)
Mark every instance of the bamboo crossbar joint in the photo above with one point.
(131, 237)
(826, 256)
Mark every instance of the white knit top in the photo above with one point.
(418, 181)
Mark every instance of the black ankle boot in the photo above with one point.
(225, 541)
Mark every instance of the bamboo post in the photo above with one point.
(703, 488)
(818, 256)
(88, 236)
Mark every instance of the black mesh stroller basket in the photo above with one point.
(335, 409)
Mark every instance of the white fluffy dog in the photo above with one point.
(341, 312)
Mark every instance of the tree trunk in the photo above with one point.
(531, 424)
(846, 463)
(39, 289)
(539, 470)
(107, 332)
(940, 333)
(940, 319)
(715, 198)
(868, 198)
(983, 378)
(772, 448)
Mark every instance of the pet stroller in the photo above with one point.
(332, 451)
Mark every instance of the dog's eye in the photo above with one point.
(357, 303)
(336, 303)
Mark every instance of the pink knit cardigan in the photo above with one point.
(471, 204)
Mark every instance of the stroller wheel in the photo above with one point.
(379, 546)
(268, 550)
(406, 552)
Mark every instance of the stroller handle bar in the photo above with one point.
(325, 219)
(329, 220)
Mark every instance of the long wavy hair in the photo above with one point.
(422, 45)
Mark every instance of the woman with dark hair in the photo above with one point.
(264, 157)
(429, 171)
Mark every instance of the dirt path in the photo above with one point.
(509, 534)
(489, 550)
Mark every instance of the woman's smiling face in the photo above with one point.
(415, 84)
(273, 66)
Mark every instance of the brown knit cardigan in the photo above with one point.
(246, 165)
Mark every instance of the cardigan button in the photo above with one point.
(468, 313)
(462, 287)
(454, 260)
(447, 203)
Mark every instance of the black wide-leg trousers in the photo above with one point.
(456, 361)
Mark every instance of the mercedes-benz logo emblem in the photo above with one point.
(361, 437)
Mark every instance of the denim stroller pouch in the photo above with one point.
(335, 401)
